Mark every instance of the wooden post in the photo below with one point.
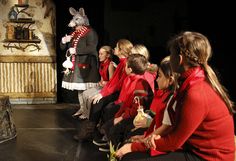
(7, 126)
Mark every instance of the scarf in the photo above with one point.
(186, 80)
(103, 69)
(115, 83)
(158, 106)
(76, 35)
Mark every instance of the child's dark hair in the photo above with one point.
(138, 63)
(168, 72)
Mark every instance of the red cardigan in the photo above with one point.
(202, 121)
(116, 81)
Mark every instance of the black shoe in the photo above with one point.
(105, 148)
(80, 138)
(85, 131)
(100, 142)
(76, 138)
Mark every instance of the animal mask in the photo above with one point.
(79, 18)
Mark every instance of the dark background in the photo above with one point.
(153, 22)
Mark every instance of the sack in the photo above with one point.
(7, 126)
(141, 115)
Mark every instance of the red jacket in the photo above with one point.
(139, 87)
(203, 121)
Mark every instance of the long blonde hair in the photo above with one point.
(124, 46)
(196, 48)
(140, 49)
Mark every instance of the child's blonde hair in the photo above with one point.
(124, 46)
(140, 49)
(108, 50)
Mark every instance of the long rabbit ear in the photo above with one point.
(72, 11)
(82, 12)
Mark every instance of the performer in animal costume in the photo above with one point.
(81, 65)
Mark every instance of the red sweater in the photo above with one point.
(202, 121)
(141, 89)
(116, 82)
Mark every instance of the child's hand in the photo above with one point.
(137, 138)
(102, 83)
(153, 138)
(150, 141)
(117, 120)
(97, 98)
(123, 150)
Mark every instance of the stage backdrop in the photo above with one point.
(27, 51)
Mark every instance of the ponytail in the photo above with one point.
(213, 80)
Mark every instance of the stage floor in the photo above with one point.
(45, 133)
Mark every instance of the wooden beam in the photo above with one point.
(30, 95)
(27, 59)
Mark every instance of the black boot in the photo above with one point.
(86, 130)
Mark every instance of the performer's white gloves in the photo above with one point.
(72, 50)
(66, 39)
